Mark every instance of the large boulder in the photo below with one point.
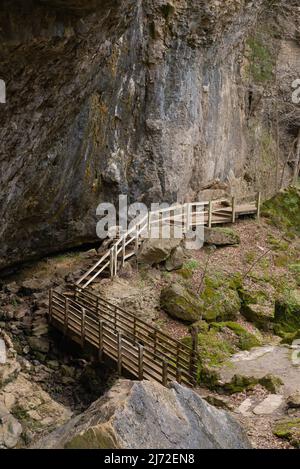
(221, 237)
(139, 415)
(181, 303)
(156, 251)
(287, 313)
(176, 259)
(220, 297)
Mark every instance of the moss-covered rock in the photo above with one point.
(217, 345)
(221, 301)
(244, 339)
(283, 210)
(288, 429)
(221, 236)
(256, 308)
(271, 383)
(181, 303)
(287, 313)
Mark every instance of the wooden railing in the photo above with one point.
(187, 216)
(143, 350)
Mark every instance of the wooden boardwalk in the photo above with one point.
(143, 350)
(183, 217)
(136, 346)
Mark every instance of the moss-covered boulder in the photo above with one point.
(287, 313)
(288, 429)
(283, 210)
(221, 237)
(257, 308)
(243, 339)
(220, 297)
(181, 303)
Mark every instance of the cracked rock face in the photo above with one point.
(138, 415)
(145, 98)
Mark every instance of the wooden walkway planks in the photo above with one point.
(143, 350)
(186, 217)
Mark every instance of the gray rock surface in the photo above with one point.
(131, 96)
(180, 303)
(155, 251)
(263, 361)
(221, 236)
(146, 415)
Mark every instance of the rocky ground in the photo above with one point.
(44, 379)
(241, 292)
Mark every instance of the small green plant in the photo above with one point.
(192, 264)
(261, 66)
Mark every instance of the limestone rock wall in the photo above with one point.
(151, 98)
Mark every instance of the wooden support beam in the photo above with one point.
(258, 205)
(179, 375)
(123, 250)
(50, 304)
(149, 225)
(233, 205)
(116, 261)
(83, 314)
(188, 217)
(195, 347)
(210, 213)
(111, 262)
(141, 362)
(66, 314)
(119, 342)
(164, 373)
(101, 345)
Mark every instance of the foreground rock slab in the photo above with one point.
(137, 415)
(260, 362)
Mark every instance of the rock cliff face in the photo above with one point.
(151, 98)
(138, 415)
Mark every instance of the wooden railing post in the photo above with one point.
(233, 202)
(258, 205)
(115, 319)
(112, 262)
(188, 217)
(155, 342)
(141, 362)
(66, 314)
(194, 352)
(134, 329)
(101, 345)
(149, 225)
(50, 304)
(119, 341)
(179, 375)
(210, 213)
(83, 326)
(123, 250)
(164, 373)
(137, 241)
(115, 260)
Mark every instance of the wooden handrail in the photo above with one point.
(162, 362)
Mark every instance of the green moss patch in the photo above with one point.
(283, 210)
(287, 313)
(288, 429)
(221, 301)
(219, 343)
